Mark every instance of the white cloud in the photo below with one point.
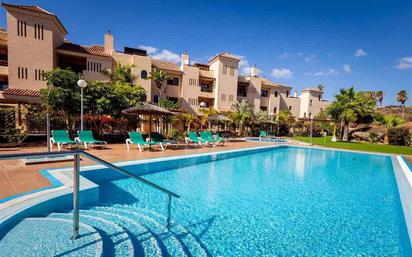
(328, 72)
(244, 66)
(347, 68)
(310, 58)
(166, 55)
(149, 49)
(284, 55)
(405, 63)
(282, 73)
(360, 53)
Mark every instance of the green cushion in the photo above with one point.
(62, 136)
(86, 136)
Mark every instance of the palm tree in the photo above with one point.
(206, 112)
(189, 120)
(389, 121)
(121, 73)
(160, 78)
(379, 96)
(351, 106)
(242, 112)
(402, 97)
(321, 87)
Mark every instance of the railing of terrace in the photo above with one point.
(76, 179)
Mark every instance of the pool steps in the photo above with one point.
(118, 231)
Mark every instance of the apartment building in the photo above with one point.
(34, 42)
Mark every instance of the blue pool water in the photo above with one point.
(279, 140)
(282, 202)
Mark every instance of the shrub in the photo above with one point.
(399, 136)
(374, 138)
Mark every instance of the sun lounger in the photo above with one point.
(137, 139)
(193, 138)
(86, 137)
(60, 138)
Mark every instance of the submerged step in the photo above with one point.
(50, 237)
(145, 243)
(116, 241)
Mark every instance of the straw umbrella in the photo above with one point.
(218, 118)
(147, 109)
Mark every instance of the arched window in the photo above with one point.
(156, 99)
(143, 74)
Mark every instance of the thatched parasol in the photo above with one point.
(218, 118)
(147, 109)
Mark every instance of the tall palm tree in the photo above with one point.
(160, 78)
(121, 73)
(242, 112)
(402, 97)
(379, 96)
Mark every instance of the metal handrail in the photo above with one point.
(76, 179)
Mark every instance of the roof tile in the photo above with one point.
(92, 50)
(171, 66)
(21, 92)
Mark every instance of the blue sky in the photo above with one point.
(366, 44)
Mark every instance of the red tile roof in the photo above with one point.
(21, 92)
(92, 50)
(36, 9)
(171, 66)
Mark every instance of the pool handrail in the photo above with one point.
(76, 178)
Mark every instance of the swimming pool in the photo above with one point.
(264, 139)
(288, 201)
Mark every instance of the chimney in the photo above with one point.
(184, 59)
(108, 42)
(254, 71)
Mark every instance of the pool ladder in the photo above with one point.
(76, 179)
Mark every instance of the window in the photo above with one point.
(241, 91)
(206, 88)
(38, 31)
(22, 73)
(287, 93)
(174, 81)
(310, 115)
(223, 97)
(263, 108)
(304, 115)
(232, 71)
(193, 82)
(275, 110)
(94, 66)
(264, 93)
(21, 28)
(39, 75)
(230, 98)
(224, 70)
(193, 101)
(311, 102)
(321, 109)
(276, 93)
(320, 97)
(143, 74)
(290, 107)
(155, 99)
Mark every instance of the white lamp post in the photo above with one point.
(82, 84)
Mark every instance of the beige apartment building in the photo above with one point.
(34, 42)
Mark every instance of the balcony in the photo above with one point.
(206, 88)
(4, 62)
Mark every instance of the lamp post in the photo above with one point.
(82, 84)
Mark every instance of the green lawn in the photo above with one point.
(379, 148)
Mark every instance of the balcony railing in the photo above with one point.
(4, 63)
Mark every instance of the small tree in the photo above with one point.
(402, 97)
(206, 112)
(389, 121)
(62, 95)
(160, 78)
(189, 120)
(379, 96)
(121, 73)
(242, 112)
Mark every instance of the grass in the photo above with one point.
(359, 146)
